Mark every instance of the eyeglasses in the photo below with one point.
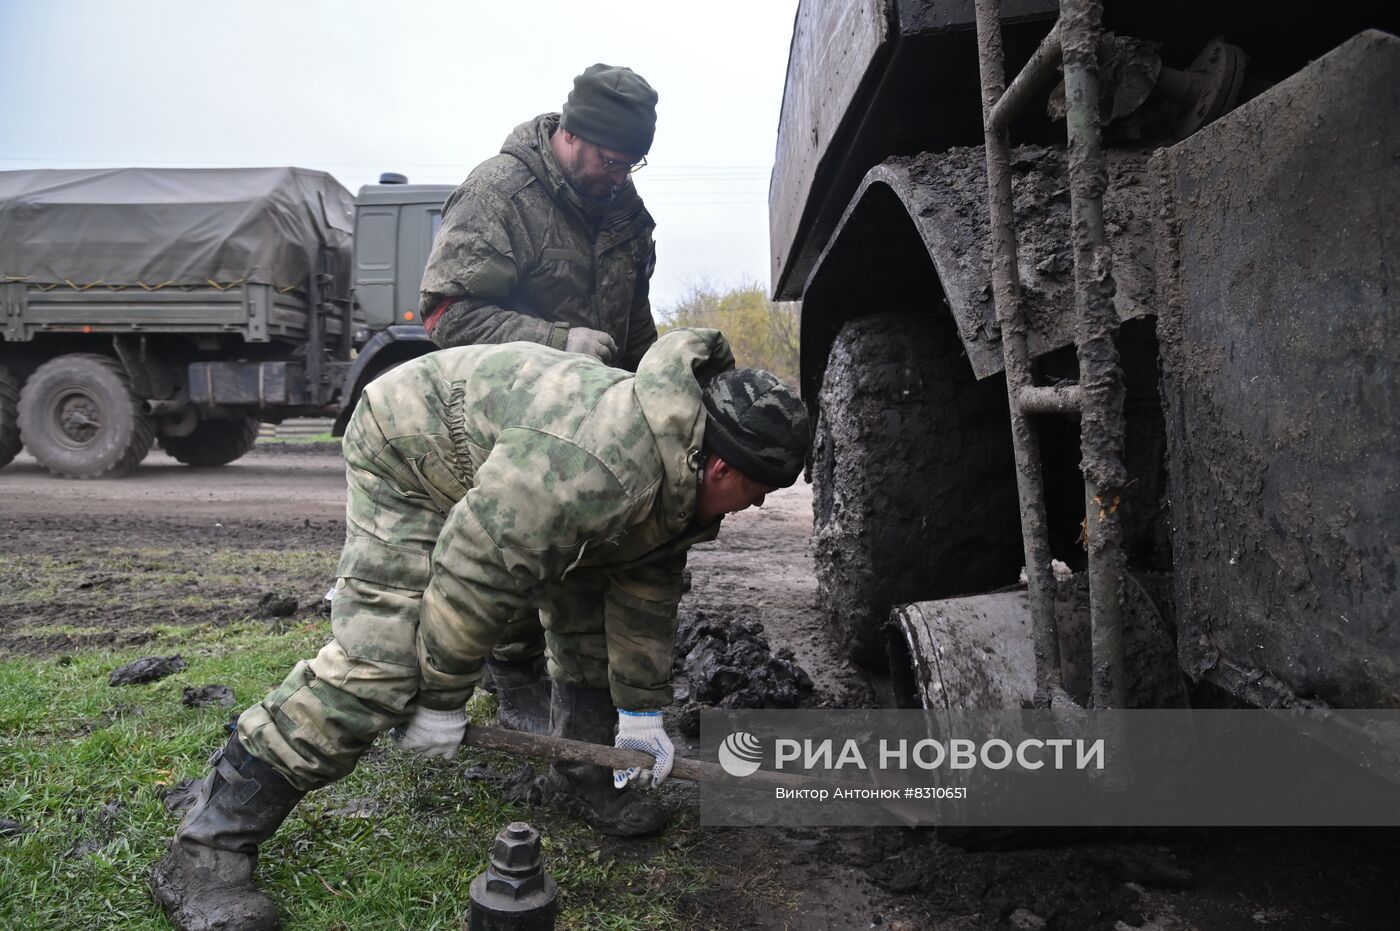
(613, 164)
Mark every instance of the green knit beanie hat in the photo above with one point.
(613, 107)
(757, 424)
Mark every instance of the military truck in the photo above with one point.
(1118, 428)
(185, 307)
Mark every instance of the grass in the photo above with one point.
(394, 845)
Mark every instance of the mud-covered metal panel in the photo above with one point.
(835, 46)
(923, 16)
(970, 653)
(945, 194)
(1279, 355)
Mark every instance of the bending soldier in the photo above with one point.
(485, 481)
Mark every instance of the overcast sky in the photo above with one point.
(424, 87)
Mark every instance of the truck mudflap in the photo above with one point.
(389, 348)
(1281, 266)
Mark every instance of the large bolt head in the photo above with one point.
(517, 850)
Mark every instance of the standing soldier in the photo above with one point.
(549, 242)
(486, 480)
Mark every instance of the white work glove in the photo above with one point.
(434, 733)
(593, 343)
(642, 730)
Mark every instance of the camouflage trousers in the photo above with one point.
(314, 727)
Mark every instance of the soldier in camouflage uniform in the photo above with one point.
(484, 481)
(549, 242)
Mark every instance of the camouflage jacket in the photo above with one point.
(553, 464)
(528, 257)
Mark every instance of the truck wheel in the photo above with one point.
(9, 418)
(80, 419)
(913, 483)
(213, 442)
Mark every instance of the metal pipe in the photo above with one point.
(1100, 376)
(1006, 293)
(1178, 85)
(1037, 73)
(540, 746)
(578, 751)
(1063, 400)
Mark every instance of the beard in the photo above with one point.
(595, 190)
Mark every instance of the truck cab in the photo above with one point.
(395, 223)
(394, 228)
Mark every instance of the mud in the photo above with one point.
(99, 563)
(1149, 645)
(207, 695)
(1278, 348)
(947, 191)
(146, 669)
(180, 796)
(722, 665)
(275, 605)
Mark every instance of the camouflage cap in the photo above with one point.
(613, 107)
(757, 424)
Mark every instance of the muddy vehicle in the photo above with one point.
(1120, 428)
(185, 307)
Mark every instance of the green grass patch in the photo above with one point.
(395, 845)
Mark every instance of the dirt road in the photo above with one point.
(287, 501)
(277, 482)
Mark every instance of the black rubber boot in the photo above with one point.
(522, 690)
(588, 714)
(205, 882)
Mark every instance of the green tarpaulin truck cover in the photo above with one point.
(157, 227)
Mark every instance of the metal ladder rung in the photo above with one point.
(1063, 399)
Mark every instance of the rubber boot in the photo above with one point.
(588, 714)
(522, 691)
(205, 882)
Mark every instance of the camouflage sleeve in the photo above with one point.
(476, 257)
(537, 501)
(640, 619)
(641, 331)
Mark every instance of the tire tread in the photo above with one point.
(10, 439)
(214, 442)
(142, 433)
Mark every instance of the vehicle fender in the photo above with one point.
(388, 348)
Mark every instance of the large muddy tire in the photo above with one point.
(213, 442)
(80, 420)
(914, 494)
(9, 418)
